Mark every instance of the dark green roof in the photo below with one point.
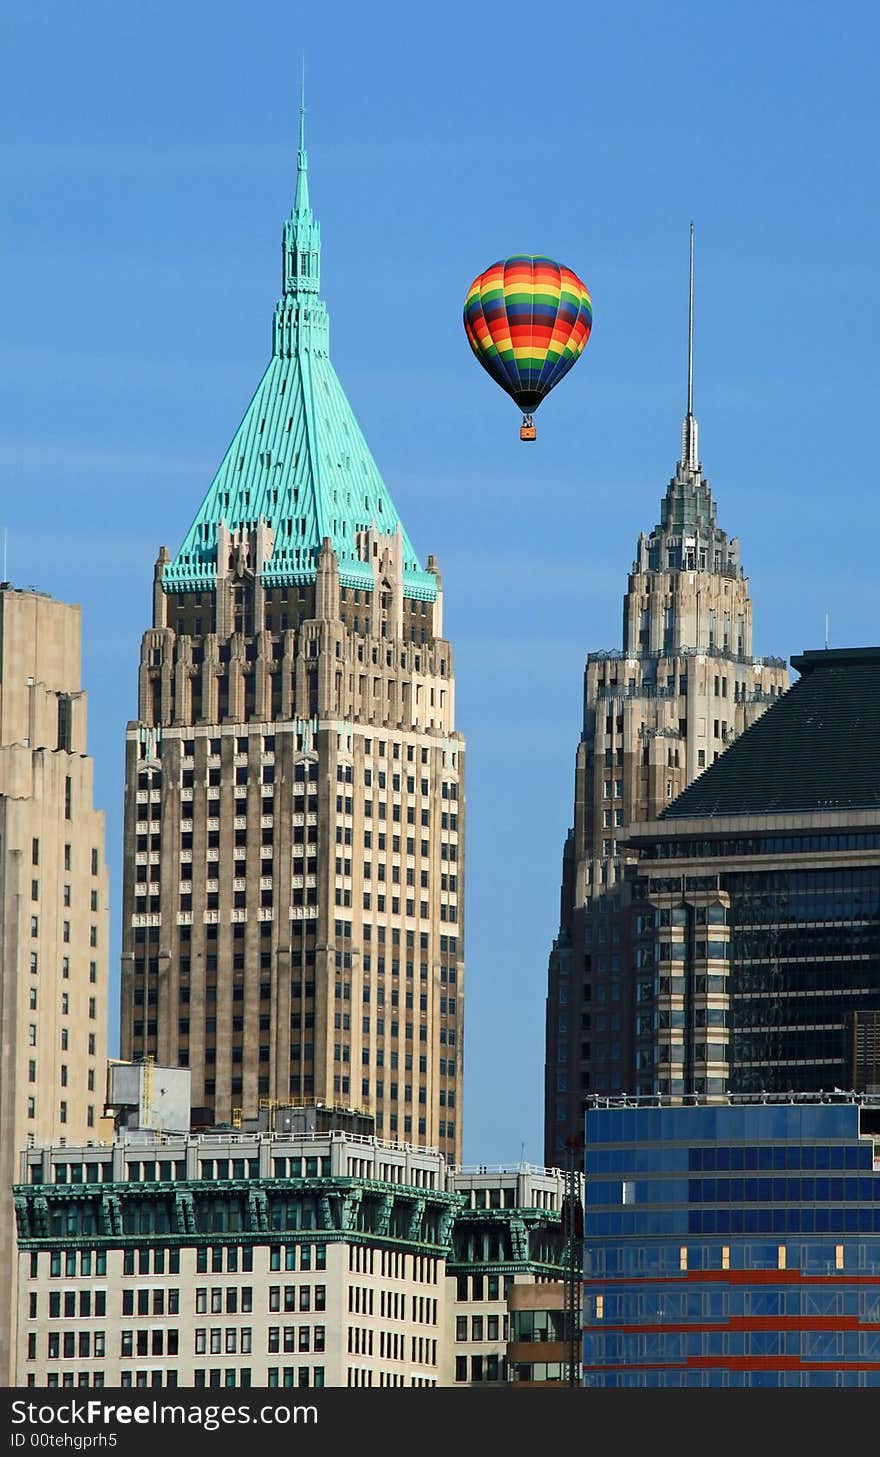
(817, 748)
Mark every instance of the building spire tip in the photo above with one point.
(301, 202)
(302, 107)
(689, 455)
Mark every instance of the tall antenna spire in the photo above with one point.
(302, 182)
(302, 112)
(691, 330)
(690, 459)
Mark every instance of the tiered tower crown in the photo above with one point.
(298, 468)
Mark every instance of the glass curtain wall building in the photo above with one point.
(756, 902)
(732, 1244)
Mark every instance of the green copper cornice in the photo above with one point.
(298, 461)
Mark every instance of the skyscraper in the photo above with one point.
(53, 904)
(656, 713)
(294, 825)
(761, 952)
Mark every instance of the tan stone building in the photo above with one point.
(294, 823)
(53, 904)
(329, 1259)
(657, 712)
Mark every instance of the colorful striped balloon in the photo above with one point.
(527, 320)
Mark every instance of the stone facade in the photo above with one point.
(53, 902)
(292, 901)
(261, 1260)
(294, 825)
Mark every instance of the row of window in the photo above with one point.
(68, 859)
(741, 1221)
(65, 975)
(708, 1158)
(283, 1376)
(285, 1338)
(64, 1304)
(491, 1367)
(65, 932)
(62, 1104)
(697, 1303)
(623, 1349)
(482, 1287)
(77, 1345)
(66, 900)
(298, 1297)
(490, 1328)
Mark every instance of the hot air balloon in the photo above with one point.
(527, 320)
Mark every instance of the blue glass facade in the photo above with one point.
(736, 1244)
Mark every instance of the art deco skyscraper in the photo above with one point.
(294, 825)
(656, 713)
(53, 904)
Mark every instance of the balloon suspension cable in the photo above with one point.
(527, 429)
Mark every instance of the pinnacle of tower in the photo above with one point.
(688, 508)
(301, 200)
(298, 468)
(690, 455)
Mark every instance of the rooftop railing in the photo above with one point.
(715, 1100)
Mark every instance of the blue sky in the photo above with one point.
(147, 160)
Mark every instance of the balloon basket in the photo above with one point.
(527, 430)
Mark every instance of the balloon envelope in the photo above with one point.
(527, 320)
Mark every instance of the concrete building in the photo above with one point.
(734, 1244)
(53, 903)
(237, 1259)
(656, 714)
(507, 1238)
(756, 896)
(294, 805)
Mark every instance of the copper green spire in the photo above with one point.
(302, 234)
(298, 468)
(301, 203)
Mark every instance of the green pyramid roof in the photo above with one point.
(298, 460)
